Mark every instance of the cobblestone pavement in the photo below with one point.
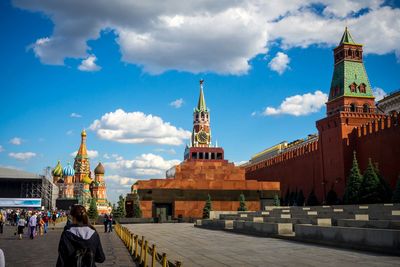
(43, 250)
(202, 247)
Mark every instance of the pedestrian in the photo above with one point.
(46, 222)
(110, 223)
(32, 225)
(79, 243)
(41, 226)
(105, 222)
(54, 218)
(21, 226)
(2, 220)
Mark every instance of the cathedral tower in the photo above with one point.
(81, 164)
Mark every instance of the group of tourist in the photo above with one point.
(108, 222)
(36, 222)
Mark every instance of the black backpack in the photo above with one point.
(84, 258)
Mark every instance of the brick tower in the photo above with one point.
(350, 104)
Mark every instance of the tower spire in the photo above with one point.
(82, 152)
(201, 105)
(346, 37)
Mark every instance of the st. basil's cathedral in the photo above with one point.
(76, 184)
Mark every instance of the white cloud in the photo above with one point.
(209, 36)
(240, 162)
(75, 115)
(16, 141)
(168, 151)
(177, 103)
(137, 127)
(1, 148)
(143, 165)
(91, 154)
(69, 132)
(379, 93)
(280, 63)
(22, 155)
(299, 105)
(89, 64)
(117, 185)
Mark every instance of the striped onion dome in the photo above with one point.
(58, 171)
(68, 170)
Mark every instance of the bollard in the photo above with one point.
(131, 243)
(153, 256)
(136, 245)
(145, 254)
(164, 260)
(141, 250)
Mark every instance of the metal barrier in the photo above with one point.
(142, 251)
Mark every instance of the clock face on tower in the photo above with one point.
(202, 137)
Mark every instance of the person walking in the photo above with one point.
(21, 226)
(105, 222)
(79, 242)
(110, 223)
(46, 222)
(2, 220)
(32, 225)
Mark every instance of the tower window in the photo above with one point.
(365, 108)
(352, 107)
(353, 87)
(361, 88)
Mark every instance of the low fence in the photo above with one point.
(142, 251)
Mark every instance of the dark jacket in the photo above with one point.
(76, 238)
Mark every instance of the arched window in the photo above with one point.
(353, 107)
(365, 108)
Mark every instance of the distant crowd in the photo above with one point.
(36, 222)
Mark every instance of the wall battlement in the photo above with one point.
(377, 126)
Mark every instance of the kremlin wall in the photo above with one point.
(353, 123)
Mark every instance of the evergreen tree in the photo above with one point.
(396, 192)
(137, 212)
(385, 191)
(119, 211)
(207, 208)
(292, 198)
(331, 197)
(242, 204)
(287, 196)
(277, 202)
(312, 199)
(92, 212)
(370, 186)
(300, 198)
(352, 191)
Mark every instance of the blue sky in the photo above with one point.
(132, 58)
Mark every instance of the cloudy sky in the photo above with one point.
(128, 72)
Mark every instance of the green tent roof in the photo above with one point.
(346, 38)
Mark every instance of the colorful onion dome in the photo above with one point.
(68, 170)
(87, 180)
(99, 169)
(58, 171)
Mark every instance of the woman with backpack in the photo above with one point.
(79, 243)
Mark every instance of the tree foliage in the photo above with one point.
(137, 212)
(354, 180)
(331, 197)
(242, 203)
(384, 189)
(92, 212)
(396, 192)
(277, 201)
(119, 211)
(207, 208)
(300, 198)
(370, 186)
(312, 199)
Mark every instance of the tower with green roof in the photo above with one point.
(350, 90)
(201, 133)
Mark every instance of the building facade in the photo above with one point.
(76, 184)
(352, 123)
(203, 172)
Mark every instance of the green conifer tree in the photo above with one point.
(354, 180)
(277, 201)
(331, 197)
(207, 208)
(242, 203)
(370, 186)
(287, 196)
(385, 191)
(312, 199)
(396, 192)
(92, 212)
(120, 210)
(300, 198)
(137, 212)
